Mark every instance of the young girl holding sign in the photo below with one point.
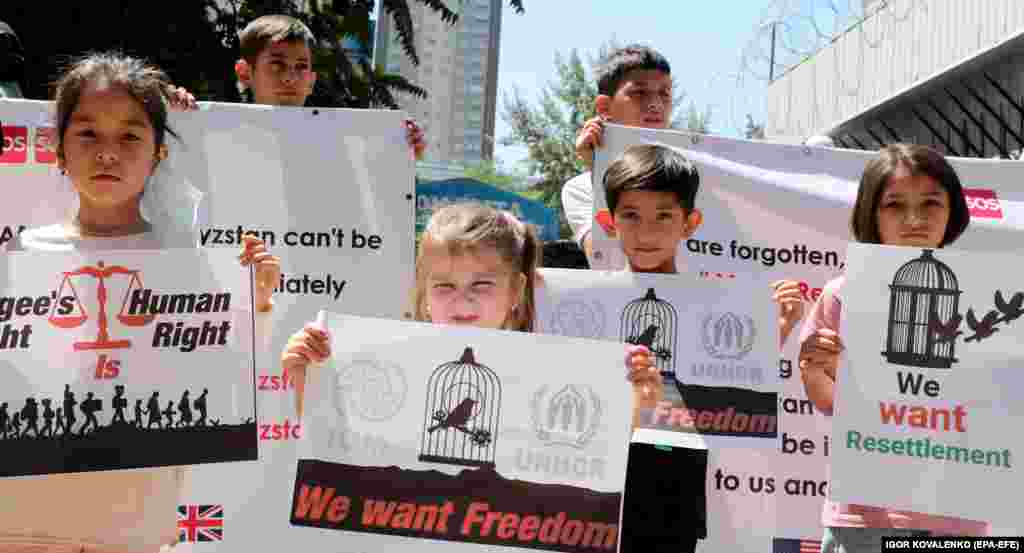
(111, 130)
(476, 267)
(909, 196)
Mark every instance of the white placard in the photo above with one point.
(435, 438)
(715, 342)
(928, 399)
(123, 352)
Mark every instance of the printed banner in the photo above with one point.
(433, 195)
(121, 360)
(429, 438)
(715, 342)
(936, 413)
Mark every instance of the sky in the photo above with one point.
(703, 41)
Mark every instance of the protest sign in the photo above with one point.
(927, 402)
(429, 438)
(714, 341)
(119, 360)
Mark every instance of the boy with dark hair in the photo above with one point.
(651, 192)
(276, 67)
(634, 86)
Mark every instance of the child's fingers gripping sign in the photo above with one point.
(825, 340)
(415, 137)
(589, 138)
(181, 99)
(312, 344)
(641, 371)
(790, 299)
(267, 267)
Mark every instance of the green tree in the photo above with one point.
(548, 128)
(489, 171)
(196, 42)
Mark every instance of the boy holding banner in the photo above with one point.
(651, 192)
(634, 88)
(276, 67)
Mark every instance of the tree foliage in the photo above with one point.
(196, 42)
(488, 171)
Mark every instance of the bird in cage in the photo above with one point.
(1011, 310)
(647, 339)
(946, 332)
(457, 418)
(982, 329)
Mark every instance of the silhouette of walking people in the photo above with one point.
(89, 407)
(138, 413)
(200, 405)
(169, 413)
(153, 410)
(16, 425)
(48, 415)
(5, 417)
(119, 405)
(60, 423)
(185, 408)
(30, 414)
(69, 408)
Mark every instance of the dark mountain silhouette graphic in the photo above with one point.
(66, 443)
(588, 519)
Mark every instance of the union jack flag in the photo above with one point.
(785, 545)
(200, 523)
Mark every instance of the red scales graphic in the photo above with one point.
(101, 273)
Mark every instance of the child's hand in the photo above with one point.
(312, 344)
(268, 270)
(820, 353)
(414, 136)
(588, 139)
(788, 296)
(181, 99)
(643, 374)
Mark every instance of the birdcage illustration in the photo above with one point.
(652, 322)
(462, 413)
(924, 296)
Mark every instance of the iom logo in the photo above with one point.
(728, 335)
(566, 416)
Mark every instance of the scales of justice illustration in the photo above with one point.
(101, 272)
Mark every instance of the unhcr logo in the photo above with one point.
(569, 416)
(728, 335)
